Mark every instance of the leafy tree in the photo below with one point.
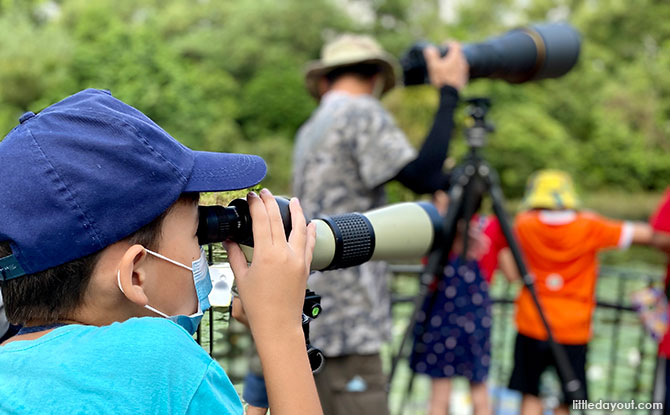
(227, 76)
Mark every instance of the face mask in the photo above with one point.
(203, 286)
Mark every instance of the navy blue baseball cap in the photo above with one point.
(91, 170)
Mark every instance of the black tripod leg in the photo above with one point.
(473, 197)
(570, 382)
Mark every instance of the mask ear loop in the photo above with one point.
(147, 306)
(168, 259)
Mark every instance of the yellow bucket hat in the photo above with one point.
(349, 49)
(550, 189)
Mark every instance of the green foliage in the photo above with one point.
(32, 72)
(227, 76)
(219, 76)
(275, 100)
(606, 122)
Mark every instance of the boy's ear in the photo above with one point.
(131, 274)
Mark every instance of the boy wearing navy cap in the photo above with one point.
(100, 263)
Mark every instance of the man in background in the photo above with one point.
(344, 154)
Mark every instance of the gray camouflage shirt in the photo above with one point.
(344, 153)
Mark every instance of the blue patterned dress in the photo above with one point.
(454, 340)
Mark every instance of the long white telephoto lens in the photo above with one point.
(398, 232)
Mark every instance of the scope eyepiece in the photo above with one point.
(218, 223)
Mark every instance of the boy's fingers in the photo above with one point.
(274, 216)
(260, 221)
(236, 258)
(298, 227)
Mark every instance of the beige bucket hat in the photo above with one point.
(349, 49)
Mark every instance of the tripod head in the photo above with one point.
(477, 126)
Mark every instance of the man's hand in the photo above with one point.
(452, 70)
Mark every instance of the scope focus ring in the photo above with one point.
(354, 239)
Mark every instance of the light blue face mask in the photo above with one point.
(203, 286)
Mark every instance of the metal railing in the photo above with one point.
(621, 355)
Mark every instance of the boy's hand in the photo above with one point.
(272, 291)
(272, 288)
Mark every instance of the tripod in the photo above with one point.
(473, 179)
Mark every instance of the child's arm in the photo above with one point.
(642, 233)
(272, 292)
(254, 410)
(507, 265)
(237, 311)
(238, 314)
(661, 240)
(660, 222)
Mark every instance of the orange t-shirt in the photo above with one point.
(560, 249)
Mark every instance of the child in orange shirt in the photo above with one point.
(560, 244)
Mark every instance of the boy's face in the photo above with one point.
(170, 288)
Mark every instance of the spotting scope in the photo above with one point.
(403, 231)
(547, 50)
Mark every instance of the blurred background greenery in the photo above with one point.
(226, 75)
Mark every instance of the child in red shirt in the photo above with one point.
(660, 222)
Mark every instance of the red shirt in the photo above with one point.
(660, 221)
(489, 261)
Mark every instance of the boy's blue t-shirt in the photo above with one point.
(141, 366)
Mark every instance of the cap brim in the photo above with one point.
(218, 172)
